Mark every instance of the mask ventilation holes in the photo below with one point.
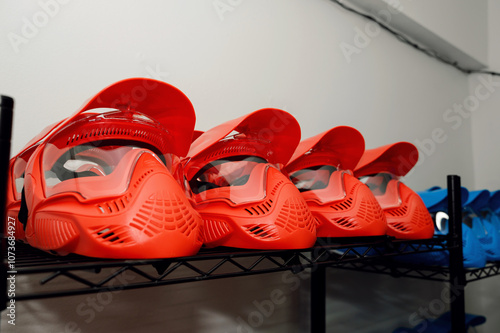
(398, 212)
(214, 230)
(103, 132)
(165, 211)
(316, 220)
(53, 233)
(98, 132)
(343, 205)
(108, 235)
(141, 178)
(230, 150)
(262, 231)
(370, 210)
(295, 214)
(354, 188)
(275, 188)
(400, 226)
(421, 217)
(113, 234)
(113, 206)
(261, 209)
(346, 223)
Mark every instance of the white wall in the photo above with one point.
(324, 65)
(486, 116)
(485, 121)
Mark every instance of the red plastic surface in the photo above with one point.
(343, 144)
(396, 158)
(277, 130)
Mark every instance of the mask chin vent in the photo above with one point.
(261, 209)
(108, 235)
(214, 230)
(114, 206)
(398, 212)
(403, 227)
(346, 223)
(262, 231)
(113, 234)
(343, 205)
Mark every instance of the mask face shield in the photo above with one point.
(91, 171)
(95, 155)
(239, 179)
(322, 183)
(385, 187)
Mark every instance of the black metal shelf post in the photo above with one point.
(457, 271)
(6, 116)
(318, 299)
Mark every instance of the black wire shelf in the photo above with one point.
(491, 269)
(56, 276)
(434, 273)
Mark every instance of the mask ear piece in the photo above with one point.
(23, 211)
(441, 221)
